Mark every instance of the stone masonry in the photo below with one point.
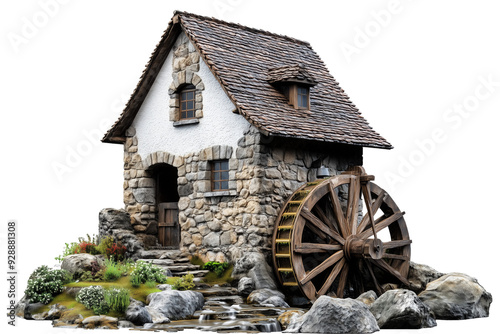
(221, 226)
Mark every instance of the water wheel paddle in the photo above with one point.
(326, 242)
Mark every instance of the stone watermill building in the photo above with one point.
(224, 125)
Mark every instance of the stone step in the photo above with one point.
(229, 300)
(196, 273)
(182, 267)
(166, 262)
(218, 291)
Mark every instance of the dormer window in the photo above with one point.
(303, 97)
(187, 102)
(294, 82)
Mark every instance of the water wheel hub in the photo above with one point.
(355, 248)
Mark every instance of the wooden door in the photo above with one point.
(168, 224)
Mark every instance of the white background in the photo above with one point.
(78, 68)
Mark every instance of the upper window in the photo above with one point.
(187, 102)
(302, 97)
(220, 175)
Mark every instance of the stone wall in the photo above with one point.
(221, 226)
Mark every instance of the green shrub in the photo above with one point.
(185, 282)
(92, 297)
(45, 283)
(110, 248)
(145, 271)
(87, 276)
(216, 267)
(117, 299)
(105, 243)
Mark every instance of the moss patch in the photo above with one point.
(211, 277)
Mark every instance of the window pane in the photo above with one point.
(216, 176)
(224, 175)
(216, 186)
(190, 95)
(224, 165)
(224, 185)
(190, 105)
(190, 114)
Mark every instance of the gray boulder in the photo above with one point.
(112, 219)
(156, 316)
(401, 309)
(254, 265)
(287, 317)
(457, 296)
(175, 304)
(137, 313)
(420, 274)
(336, 316)
(78, 263)
(245, 286)
(261, 295)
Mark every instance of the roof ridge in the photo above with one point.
(240, 26)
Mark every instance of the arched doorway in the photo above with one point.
(167, 198)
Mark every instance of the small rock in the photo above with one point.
(419, 275)
(125, 324)
(457, 296)
(287, 317)
(245, 286)
(259, 296)
(275, 301)
(254, 265)
(367, 297)
(165, 287)
(336, 316)
(401, 309)
(100, 322)
(55, 312)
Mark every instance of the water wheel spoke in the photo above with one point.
(311, 218)
(322, 215)
(352, 205)
(342, 280)
(323, 266)
(337, 211)
(375, 206)
(374, 279)
(381, 224)
(331, 278)
(396, 243)
(306, 248)
(385, 266)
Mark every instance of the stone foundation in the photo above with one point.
(221, 226)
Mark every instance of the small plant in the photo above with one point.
(45, 283)
(104, 243)
(184, 283)
(69, 249)
(87, 246)
(92, 297)
(150, 284)
(216, 267)
(117, 299)
(145, 271)
(135, 280)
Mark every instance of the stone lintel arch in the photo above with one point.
(160, 157)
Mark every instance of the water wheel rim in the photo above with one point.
(317, 191)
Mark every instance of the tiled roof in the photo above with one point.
(243, 60)
(290, 73)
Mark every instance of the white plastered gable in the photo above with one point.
(219, 125)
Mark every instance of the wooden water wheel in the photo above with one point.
(341, 236)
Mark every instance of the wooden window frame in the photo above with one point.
(216, 182)
(184, 112)
(292, 92)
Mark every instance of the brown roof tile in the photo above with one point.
(246, 61)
